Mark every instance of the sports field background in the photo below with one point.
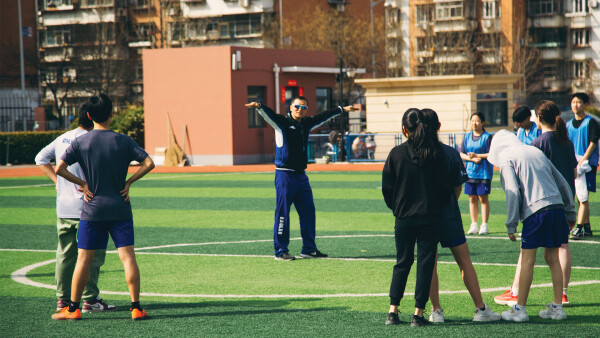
(204, 244)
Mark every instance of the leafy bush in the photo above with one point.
(24, 145)
(130, 122)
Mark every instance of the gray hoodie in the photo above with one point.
(529, 179)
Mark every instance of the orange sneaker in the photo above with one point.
(506, 298)
(138, 315)
(565, 300)
(65, 314)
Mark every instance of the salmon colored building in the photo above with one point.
(205, 89)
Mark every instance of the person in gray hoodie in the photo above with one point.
(538, 196)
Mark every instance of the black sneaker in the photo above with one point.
(314, 254)
(392, 319)
(285, 257)
(587, 230)
(576, 234)
(419, 321)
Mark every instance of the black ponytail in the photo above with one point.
(423, 140)
(549, 112)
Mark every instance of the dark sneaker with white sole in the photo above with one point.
(314, 254)
(285, 257)
(392, 319)
(419, 321)
(97, 305)
(576, 234)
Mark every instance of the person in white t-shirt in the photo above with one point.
(68, 210)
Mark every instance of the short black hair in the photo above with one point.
(99, 107)
(521, 114)
(582, 96)
(84, 120)
(298, 97)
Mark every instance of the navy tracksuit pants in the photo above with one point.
(293, 187)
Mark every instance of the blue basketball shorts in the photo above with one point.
(590, 179)
(478, 189)
(547, 229)
(93, 235)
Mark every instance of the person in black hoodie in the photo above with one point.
(416, 186)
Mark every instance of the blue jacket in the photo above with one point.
(291, 136)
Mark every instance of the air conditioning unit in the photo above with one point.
(245, 3)
(487, 23)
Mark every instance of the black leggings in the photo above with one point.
(426, 236)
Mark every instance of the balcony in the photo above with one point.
(553, 53)
(454, 25)
(547, 21)
(451, 57)
(491, 57)
(554, 84)
(491, 25)
(579, 20)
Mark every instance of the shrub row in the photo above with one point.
(24, 145)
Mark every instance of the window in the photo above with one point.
(224, 30)
(176, 31)
(139, 3)
(494, 107)
(580, 6)
(580, 38)
(323, 99)
(247, 24)
(544, 7)
(423, 14)
(423, 44)
(256, 94)
(57, 3)
(393, 17)
(449, 10)
(89, 3)
(58, 37)
(579, 69)
(550, 71)
(143, 31)
(196, 29)
(491, 9)
(139, 72)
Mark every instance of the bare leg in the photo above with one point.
(515, 285)
(467, 271)
(485, 208)
(474, 208)
(551, 256)
(132, 272)
(566, 262)
(81, 273)
(526, 277)
(583, 216)
(434, 291)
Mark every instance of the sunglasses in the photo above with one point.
(300, 106)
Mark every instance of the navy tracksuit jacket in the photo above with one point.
(291, 182)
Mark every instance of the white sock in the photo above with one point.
(519, 307)
(474, 224)
(484, 224)
(515, 292)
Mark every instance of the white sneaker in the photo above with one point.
(437, 316)
(554, 311)
(474, 229)
(483, 230)
(515, 314)
(486, 315)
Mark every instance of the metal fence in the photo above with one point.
(15, 113)
(320, 147)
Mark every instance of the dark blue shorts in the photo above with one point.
(454, 242)
(547, 229)
(590, 178)
(478, 188)
(93, 235)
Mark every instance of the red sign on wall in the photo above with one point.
(282, 94)
(292, 83)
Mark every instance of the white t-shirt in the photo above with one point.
(68, 199)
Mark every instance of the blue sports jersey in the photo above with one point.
(580, 138)
(528, 137)
(484, 169)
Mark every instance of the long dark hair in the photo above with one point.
(549, 112)
(420, 137)
(481, 117)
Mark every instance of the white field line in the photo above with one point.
(28, 186)
(20, 276)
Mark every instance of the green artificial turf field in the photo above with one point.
(204, 244)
